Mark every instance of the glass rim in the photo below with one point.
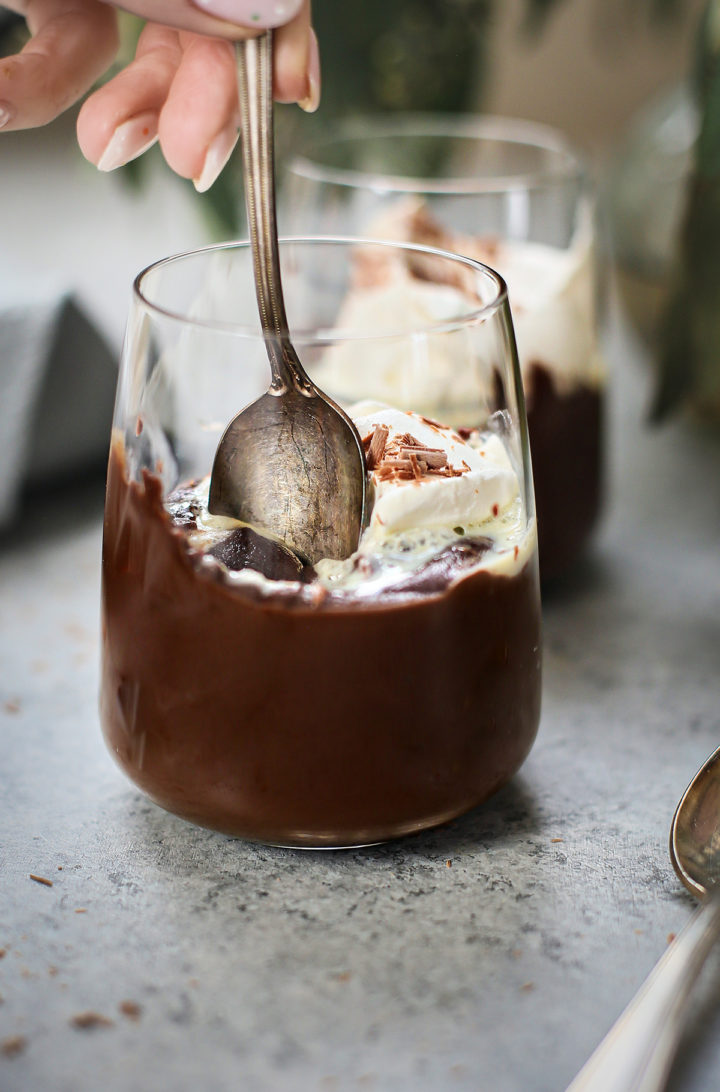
(569, 163)
(325, 335)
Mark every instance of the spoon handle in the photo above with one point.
(637, 1052)
(254, 70)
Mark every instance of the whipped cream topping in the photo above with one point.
(551, 292)
(474, 494)
(472, 486)
(430, 489)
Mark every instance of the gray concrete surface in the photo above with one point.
(383, 969)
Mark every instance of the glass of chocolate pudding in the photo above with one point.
(514, 195)
(365, 697)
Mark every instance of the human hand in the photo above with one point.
(181, 88)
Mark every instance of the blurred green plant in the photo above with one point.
(689, 358)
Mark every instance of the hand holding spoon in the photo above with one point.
(638, 1051)
(292, 462)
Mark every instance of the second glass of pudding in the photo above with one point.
(365, 697)
(514, 195)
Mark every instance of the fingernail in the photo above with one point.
(312, 100)
(6, 113)
(216, 157)
(129, 140)
(251, 13)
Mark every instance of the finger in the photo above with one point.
(199, 122)
(297, 62)
(297, 68)
(73, 43)
(120, 120)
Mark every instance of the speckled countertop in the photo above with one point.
(492, 954)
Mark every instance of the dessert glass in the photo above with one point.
(515, 195)
(295, 713)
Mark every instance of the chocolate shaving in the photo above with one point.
(447, 471)
(376, 448)
(400, 469)
(417, 466)
(393, 462)
(431, 456)
(408, 440)
(406, 458)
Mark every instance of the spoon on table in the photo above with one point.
(638, 1051)
(291, 463)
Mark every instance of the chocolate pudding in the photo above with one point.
(337, 705)
(565, 430)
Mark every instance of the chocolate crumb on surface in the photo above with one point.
(12, 706)
(3, 953)
(131, 1009)
(41, 879)
(90, 1019)
(13, 1045)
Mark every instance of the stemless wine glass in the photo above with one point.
(514, 195)
(375, 695)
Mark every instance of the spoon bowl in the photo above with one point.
(695, 831)
(286, 465)
(291, 463)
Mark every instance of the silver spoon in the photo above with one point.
(638, 1051)
(292, 462)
